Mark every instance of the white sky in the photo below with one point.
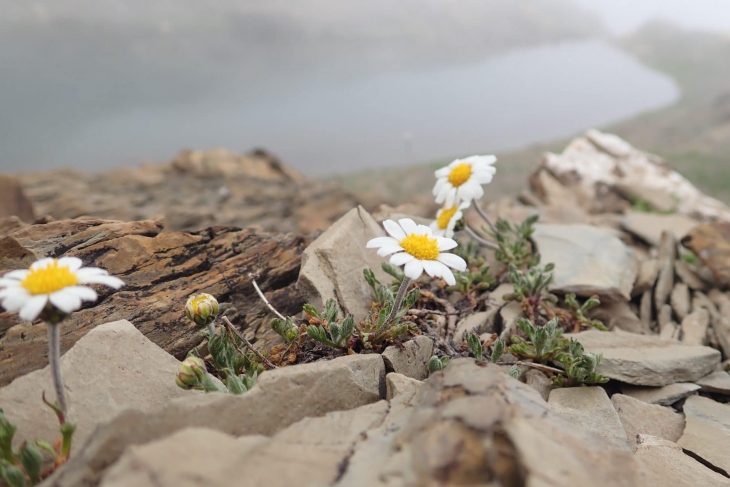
(622, 16)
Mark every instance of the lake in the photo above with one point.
(323, 121)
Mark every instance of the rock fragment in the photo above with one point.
(707, 433)
(639, 417)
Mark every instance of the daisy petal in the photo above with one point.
(90, 271)
(9, 282)
(73, 263)
(394, 230)
(16, 275)
(401, 259)
(82, 292)
(15, 299)
(65, 301)
(389, 249)
(110, 281)
(39, 264)
(381, 242)
(33, 307)
(440, 269)
(452, 260)
(408, 225)
(413, 269)
(431, 268)
(446, 243)
(448, 276)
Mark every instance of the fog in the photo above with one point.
(323, 83)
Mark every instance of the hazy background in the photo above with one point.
(339, 86)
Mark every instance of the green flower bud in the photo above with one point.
(191, 372)
(12, 475)
(202, 309)
(32, 460)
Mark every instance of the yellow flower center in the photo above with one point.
(49, 279)
(460, 174)
(445, 216)
(421, 247)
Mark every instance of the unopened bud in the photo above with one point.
(190, 373)
(202, 309)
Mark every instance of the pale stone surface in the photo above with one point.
(707, 433)
(477, 323)
(665, 279)
(680, 300)
(647, 360)
(639, 417)
(664, 463)
(13, 201)
(332, 265)
(618, 314)
(411, 358)
(650, 226)
(281, 397)
(399, 385)
(113, 368)
(717, 382)
(664, 396)
(589, 409)
(646, 277)
(694, 327)
(540, 382)
(588, 260)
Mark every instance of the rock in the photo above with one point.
(599, 161)
(332, 265)
(620, 315)
(496, 297)
(689, 276)
(639, 417)
(646, 277)
(664, 463)
(13, 201)
(589, 409)
(645, 309)
(509, 314)
(113, 368)
(650, 226)
(711, 243)
(670, 331)
(665, 280)
(476, 323)
(588, 260)
(707, 433)
(647, 360)
(694, 327)
(717, 382)
(161, 270)
(680, 300)
(540, 382)
(169, 461)
(411, 358)
(197, 189)
(401, 386)
(665, 395)
(280, 398)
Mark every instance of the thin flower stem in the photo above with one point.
(404, 284)
(248, 344)
(484, 216)
(54, 359)
(544, 368)
(482, 241)
(266, 301)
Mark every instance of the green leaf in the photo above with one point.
(32, 460)
(311, 311)
(475, 346)
(497, 350)
(11, 474)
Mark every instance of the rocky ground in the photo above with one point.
(616, 222)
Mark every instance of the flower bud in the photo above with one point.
(190, 373)
(202, 309)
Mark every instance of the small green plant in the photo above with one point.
(580, 367)
(478, 276)
(579, 313)
(436, 363)
(327, 328)
(531, 288)
(237, 368)
(497, 350)
(476, 348)
(514, 243)
(286, 328)
(541, 343)
(36, 460)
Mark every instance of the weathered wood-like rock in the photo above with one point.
(711, 242)
(707, 433)
(639, 417)
(647, 360)
(160, 269)
(588, 260)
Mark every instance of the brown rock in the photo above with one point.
(619, 314)
(680, 300)
(717, 382)
(694, 327)
(665, 281)
(161, 269)
(711, 243)
(13, 201)
(639, 417)
(650, 226)
(645, 279)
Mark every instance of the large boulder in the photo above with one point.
(161, 270)
(111, 369)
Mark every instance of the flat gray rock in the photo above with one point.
(717, 382)
(639, 417)
(665, 395)
(411, 358)
(650, 226)
(707, 433)
(588, 260)
(112, 368)
(647, 360)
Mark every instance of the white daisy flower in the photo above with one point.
(59, 283)
(462, 180)
(415, 247)
(446, 219)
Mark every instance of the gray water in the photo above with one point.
(323, 121)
